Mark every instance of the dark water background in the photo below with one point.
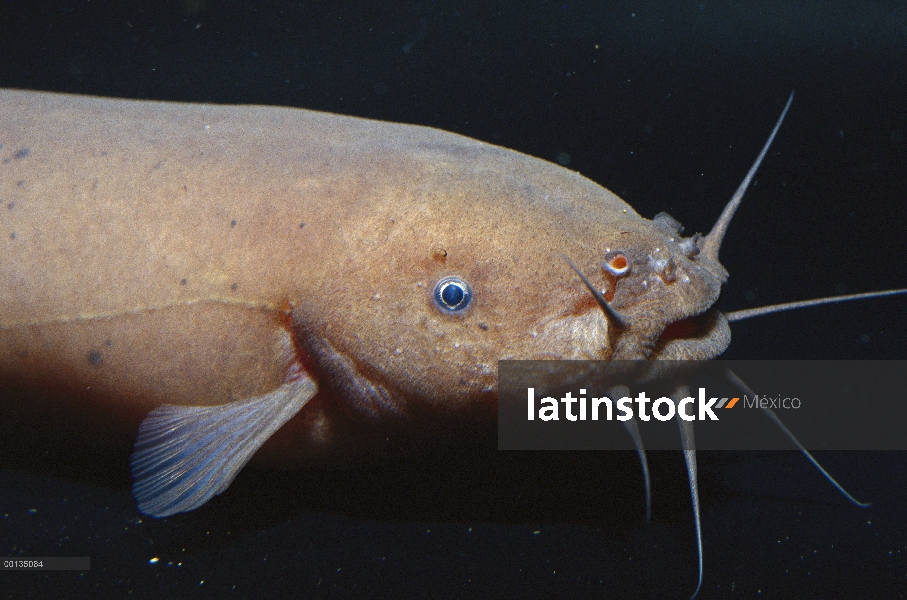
(664, 103)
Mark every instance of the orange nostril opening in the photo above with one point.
(618, 264)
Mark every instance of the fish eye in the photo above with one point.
(452, 294)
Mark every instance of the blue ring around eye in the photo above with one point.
(452, 294)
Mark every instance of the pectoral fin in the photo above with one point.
(186, 455)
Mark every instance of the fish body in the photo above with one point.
(296, 285)
(200, 255)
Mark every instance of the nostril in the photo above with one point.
(690, 246)
(666, 268)
(616, 263)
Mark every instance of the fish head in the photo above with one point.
(472, 268)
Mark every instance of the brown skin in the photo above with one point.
(154, 252)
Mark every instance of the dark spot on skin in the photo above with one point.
(483, 326)
(234, 287)
(20, 183)
(439, 255)
(95, 357)
(183, 282)
(11, 205)
(12, 236)
(108, 343)
(21, 153)
(301, 225)
(233, 223)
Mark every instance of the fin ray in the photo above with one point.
(186, 455)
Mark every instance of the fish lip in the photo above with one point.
(655, 308)
(702, 336)
(662, 312)
(676, 329)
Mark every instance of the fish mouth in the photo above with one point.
(699, 337)
(649, 319)
(683, 329)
